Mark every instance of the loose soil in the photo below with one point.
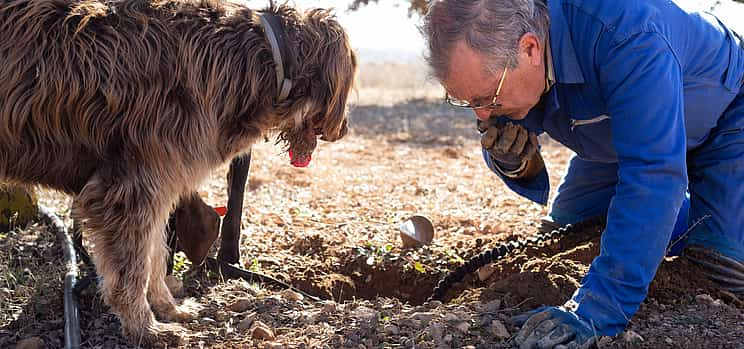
(332, 231)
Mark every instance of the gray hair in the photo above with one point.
(491, 27)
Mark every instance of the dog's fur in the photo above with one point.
(128, 104)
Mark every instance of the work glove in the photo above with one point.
(553, 327)
(510, 145)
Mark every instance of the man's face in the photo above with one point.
(521, 88)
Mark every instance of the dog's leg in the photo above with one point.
(160, 297)
(236, 178)
(125, 219)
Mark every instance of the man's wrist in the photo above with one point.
(512, 171)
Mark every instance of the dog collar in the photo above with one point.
(278, 40)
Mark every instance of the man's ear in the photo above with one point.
(530, 48)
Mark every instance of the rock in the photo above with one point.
(367, 317)
(486, 271)
(291, 296)
(208, 321)
(706, 299)
(328, 307)
(462, 326)
(433, 304)
(604, 341)
(175, 285)
(311, 317)
(447, 339)
(423, 317)
(262, 331)
(391, 329)
(436, 331)
(246, 322)
(240, 305)
(631, 336)
(273, 345)
(668, 340)
(451, 317)
(30, 343)
(499, 330)
(490, 307)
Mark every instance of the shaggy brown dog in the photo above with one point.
(127, 105)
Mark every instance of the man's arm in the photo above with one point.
(648, 132)
(512, 152)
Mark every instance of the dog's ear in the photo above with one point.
(337, 74)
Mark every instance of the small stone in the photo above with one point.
(291, 296)
(262, 331)
(668, 340)
(328, 307)
(311, 317)
(706, 299)
(436, 331)
(631, 336)
(391, 329)
(424, 317)
(241, 305)
(30, 343)
(499, 330)
(433, 304)
(462, 327)
(486, 271)
(273, 345)
(367, 317)
(175, 285)
(220, 315)
(447, 338)
(247, 322)
(490, 307)
(208, 320)
(604, 341)
(451, 317)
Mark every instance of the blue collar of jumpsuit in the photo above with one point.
(566, 65)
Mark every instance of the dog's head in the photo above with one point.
(323, 73)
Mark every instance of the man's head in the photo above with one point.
(473, 43)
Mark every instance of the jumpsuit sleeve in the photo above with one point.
(641, 82)
(535, 189)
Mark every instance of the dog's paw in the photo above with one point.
(185, 311)
(157, 335)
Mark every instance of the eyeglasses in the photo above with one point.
(465, 104)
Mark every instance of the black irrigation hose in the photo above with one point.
(72, 313)
(502, 250)
(232, 272)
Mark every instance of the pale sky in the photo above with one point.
(386, 27)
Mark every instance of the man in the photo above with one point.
(648, 95)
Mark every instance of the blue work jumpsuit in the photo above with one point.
(649, 96)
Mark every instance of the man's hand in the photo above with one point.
(553, 327)
(512, 148)
(509, 144)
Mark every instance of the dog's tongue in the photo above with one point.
(299, 161)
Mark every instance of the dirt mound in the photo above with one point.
(549, 277)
